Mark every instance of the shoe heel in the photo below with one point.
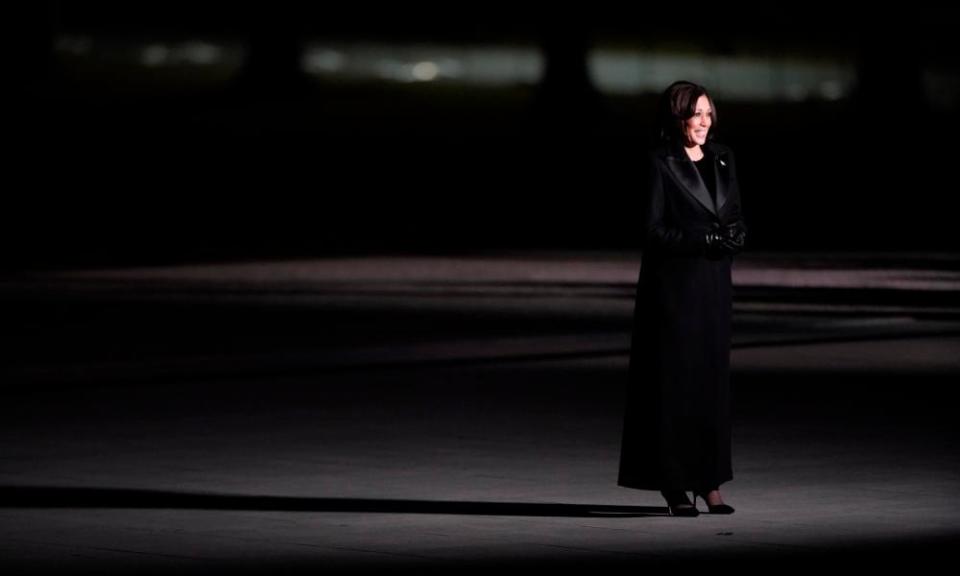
(679, 505)
(713, 509)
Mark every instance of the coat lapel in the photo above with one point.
(686, 175)
(722, 170)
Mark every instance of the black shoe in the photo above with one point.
(679, 505)
(714, 509)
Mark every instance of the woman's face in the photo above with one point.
(697, 126)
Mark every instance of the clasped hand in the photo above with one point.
(726, 240)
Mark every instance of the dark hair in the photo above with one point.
(678, 103)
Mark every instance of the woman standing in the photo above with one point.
(676, 434)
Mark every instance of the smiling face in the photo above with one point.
(696, 127)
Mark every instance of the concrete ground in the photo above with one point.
(434, 413)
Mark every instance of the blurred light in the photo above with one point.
(200, 53)
(796, 92)
(323, 61)
(624, 72)
(450, 68)
(390, 69)
(154, 55)
(631, 72)
(425, 71)
(621, 71)
(832, 90)
(480, 65)
(151, 54)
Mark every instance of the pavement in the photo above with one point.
(423, 412)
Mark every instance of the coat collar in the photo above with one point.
(688, 177)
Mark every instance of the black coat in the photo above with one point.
(676, 433)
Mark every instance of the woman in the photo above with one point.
(676, 435)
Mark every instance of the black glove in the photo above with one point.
(714, 242)
(735, 236)
(725, 241)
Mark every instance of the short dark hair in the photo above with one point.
(678, 103)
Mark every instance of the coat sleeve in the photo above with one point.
(736, 213)
(659, 234)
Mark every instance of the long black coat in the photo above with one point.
(676, 433)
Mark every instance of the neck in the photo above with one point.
(694, 152)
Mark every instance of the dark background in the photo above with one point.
(115, 165)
